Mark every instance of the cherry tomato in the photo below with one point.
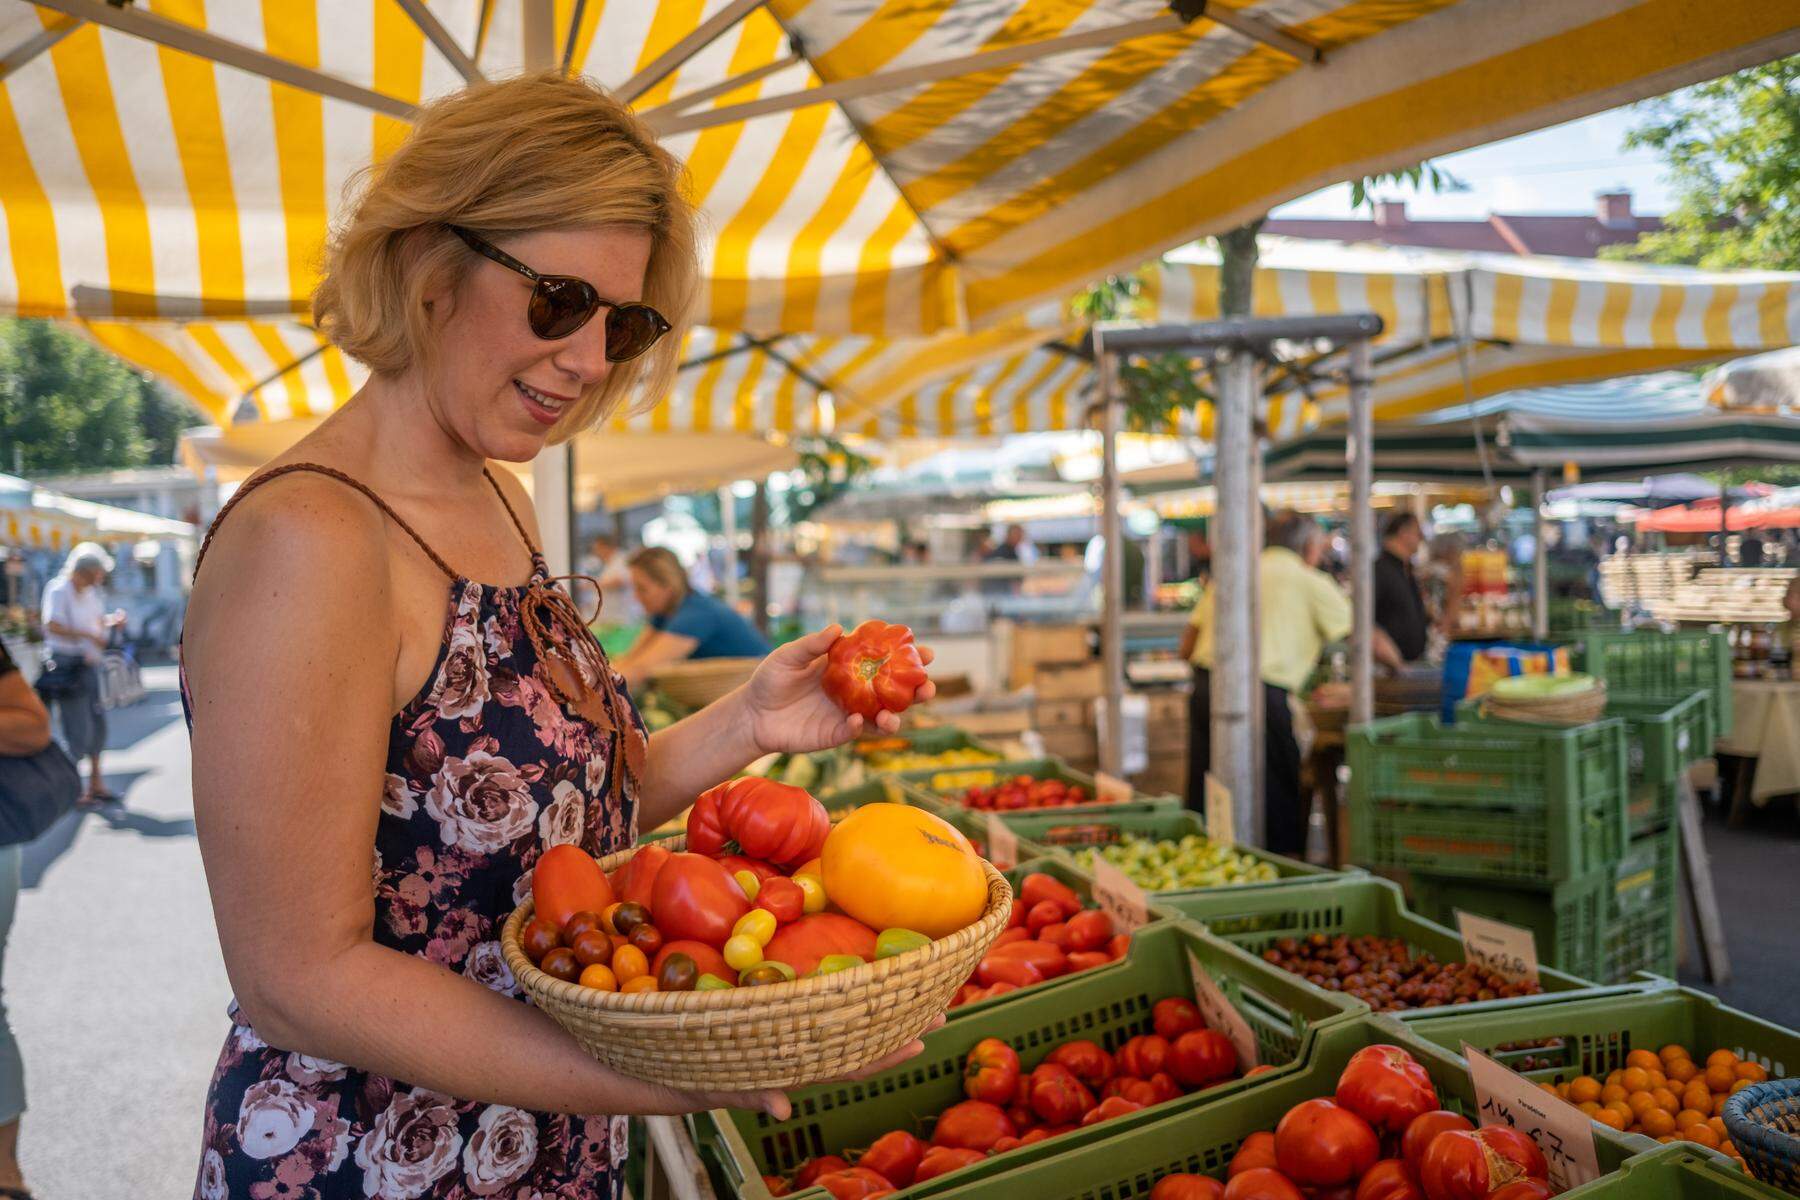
(599, 977)
(647, 938)
(538, 938)
(874, 667)
(677, 973)
(1321, 1144)
(750, 882)
(560, 964)
(783, 899)
(642, 983)
(567, 880)
(1423, 1128)
(580, 923)
(629, 963)
(628, 916)
(1386, 1086)
(812, 891)
(742, 952)
(709, 960)
(592, 947)
(761, 973)
(758, 925)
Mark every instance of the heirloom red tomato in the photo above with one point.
(1261, 1183)
(1187, 1187)
(874, 667)
(1388, 1179)
(812, 1168)
(1258, 1150)
(940, 1160)
(636, 880)
(1523, 1189)
(1418, 1135)
(804, 942)
(1057, 1097)
(1386, 1086)
(695, 899)
(991, 1072)
(1467, 1166)
(758, 818)
(1172, 1017)
(855, 1183)
(1085, 1060)
(895, 1157)
(1320, 1144)
(1143, 1056)
(972, 1125)
(566, 881)
(1202, 1057)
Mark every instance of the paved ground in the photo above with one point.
(116, 991)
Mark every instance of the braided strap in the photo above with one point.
(577, 672)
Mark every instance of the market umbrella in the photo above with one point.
(1765, 382)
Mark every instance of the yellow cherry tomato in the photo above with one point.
(758, 925)
(813, 891)
(742, 952)
(749, 882)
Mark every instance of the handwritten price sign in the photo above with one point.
(1221, 823)
(1221, 1015)
(1506, 950)
(1002, 843)
(1123, 900)
(1562, 1131)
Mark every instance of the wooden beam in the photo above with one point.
(671, 59)
(36, 44)
(869, 85)
(568, 54)
(538, 21)
(435, 32)
(210, 46)
(684, 102)
(1259, 30)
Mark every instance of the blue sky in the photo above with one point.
(1553, 170)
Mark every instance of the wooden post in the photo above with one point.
(1540, 559)
(1361, 447)
(759, 556)
(1112, 578)
(1700, 902)
(1236, 688)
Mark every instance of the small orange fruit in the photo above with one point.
(1671, 1052)
(1590, 1108)
(1626, 1116)
(1612, 1120)
(1721, 1058)
(1548, 1087)
(1640, 1103)
(1645, 1059)
(1717, 1125)
(1719, 1078)
(1681, 1070)
(1666, 1100)
(639, 983)
(1667, 1138)
(600, 976)
(1754, 1072)
(1657, 1080)
(1635, 1079)
(1657, 1123)
(1615, 1077)
(1584, 1087)
(1701, 1135)
(629, 963)
(1739, 1086)
(1697, 1097)
(1613, 1092)
(1561, 1090)
(1689, 1116)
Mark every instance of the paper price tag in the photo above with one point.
(1562, 1131)
(1123, 900)
(1002, 843)
(1221, 823)
(1110, 789)
(1506, 950)
(1221, 1015)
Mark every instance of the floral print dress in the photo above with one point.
(486, 769)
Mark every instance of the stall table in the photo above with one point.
(1766, 732)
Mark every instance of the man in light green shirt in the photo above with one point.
(1302, 611)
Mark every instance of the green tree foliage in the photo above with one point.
(66, 405)
(1732, 149)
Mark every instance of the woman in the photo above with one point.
(24, 729)
(393, 712)
(684, 623)
(76, 628)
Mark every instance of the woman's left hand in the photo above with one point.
(788, 708)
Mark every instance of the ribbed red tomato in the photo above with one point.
(1386, 1086)
(1187, 1187)
(972, 1125)
(855, 1183)
(1261, 1183)
(1202, 1057)
(1467, 1166)
(1523, 1189)
(1322, 1144)
(566, 881)
(1418, 1135)
(895, 1157)
(1258, 1150)
(1090, 1064)
(1143, 1056)
(695, 899)
(758, 818)
(1171, 1017)
(940, 1160)
(1057, 1097)
(991, 1072)
(1389, 1179)
(874, 667)
(812, 1168)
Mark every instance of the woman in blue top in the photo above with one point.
(683, 623)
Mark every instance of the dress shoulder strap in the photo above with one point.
(507, 505)
(257, 481)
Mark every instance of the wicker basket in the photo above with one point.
(1553, 710)
(699, 681)
(1764, 1123)
(779, 1035)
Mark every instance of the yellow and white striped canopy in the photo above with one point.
(883, 168)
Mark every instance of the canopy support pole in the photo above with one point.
(438, 36)
(671, 60)
(1540, 559)
(1112, 577)
(1361, 452)
(728, 528)
(1236, 686)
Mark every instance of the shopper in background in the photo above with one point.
(1399, 604)
(1444, 581)
(1302, 612)
(605, 562)
(24, 730)
(684, 622)
(76, 629)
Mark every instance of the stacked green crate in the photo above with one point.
(1654, 662)
(946, 788)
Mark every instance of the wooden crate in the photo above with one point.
(1069, 681)
(1063, 714)
(1072, 745)
(1036, 644)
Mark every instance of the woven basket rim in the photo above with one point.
(1578, 709)
(737, 999)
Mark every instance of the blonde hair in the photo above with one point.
(661, 565)
(539, 151)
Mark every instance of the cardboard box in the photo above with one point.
(1168, 737)
(1168, 706)
(1035, 644)
(1063, 714)
(1074, 745)
(1069, 681)
(1003, 722)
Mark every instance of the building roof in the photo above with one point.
(1565, 235)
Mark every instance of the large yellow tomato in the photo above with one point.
(892, 866)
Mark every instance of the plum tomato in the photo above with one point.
(1119, 945)
(1174, 1016)
(783, 899)
(1425, 1127)
(895, 1157)
(855, 1183)
(875, 667)
(1322, 1144)
(538, 938)
(1038, 887)
(1202, 1057)
(991, 1072)
(1106, 1110)
(940, 1160)
(567, 880)
(560, 964)
(1090, 929)
(1389, 1179)
(592, 947)
(1257, 1150)
(636, 880)
(972, 1125)
(1386, 1086)
(1044, 912)
(1055, 934)
(1461, 1165)
(1187, 1187)
(1082, 960)
(1262, 1183)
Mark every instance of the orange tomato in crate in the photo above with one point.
(892, 866)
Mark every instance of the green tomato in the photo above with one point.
(712, 983)
(831, 964)
(890, 942)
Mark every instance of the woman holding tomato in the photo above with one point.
(395, 712)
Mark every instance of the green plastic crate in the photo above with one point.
(1594, 1036)
(1044, 832)
(1354, 905)
(945, 788)
(1653, 662)
(1107, 1005)
(1203, 1139)
(939, 740)
(1498, 801)
(1643, 911)
(1568, 919)
(1675, 1172)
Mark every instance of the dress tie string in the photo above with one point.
(576, 669)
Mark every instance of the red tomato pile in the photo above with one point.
(1023, 791)
(1077, 1084)
(1048, 935)
(1381, 1137)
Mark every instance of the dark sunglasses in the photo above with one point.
(561, 304)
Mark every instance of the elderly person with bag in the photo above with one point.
(77, 628)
